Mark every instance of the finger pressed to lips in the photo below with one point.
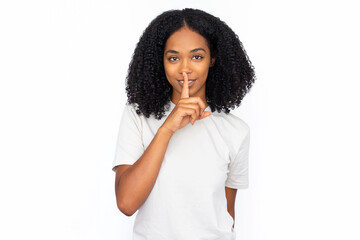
(185, 89)
(193, 103)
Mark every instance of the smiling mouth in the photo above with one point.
(191, 82)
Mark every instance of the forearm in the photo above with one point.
(232, 213)
(230, 198)
(136, 183)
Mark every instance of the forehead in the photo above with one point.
(185, 39)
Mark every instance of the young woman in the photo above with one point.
(180, 154)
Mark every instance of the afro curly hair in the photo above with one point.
(228, 81)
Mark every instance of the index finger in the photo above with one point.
(185, 88)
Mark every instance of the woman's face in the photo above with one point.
(187, 51)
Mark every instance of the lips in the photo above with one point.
(191, 82)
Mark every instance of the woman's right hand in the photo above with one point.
(187, 110)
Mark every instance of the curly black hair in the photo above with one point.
(228, 80)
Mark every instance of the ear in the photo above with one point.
(212, 62)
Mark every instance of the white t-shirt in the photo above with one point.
(188, 199)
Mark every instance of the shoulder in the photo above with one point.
(231, 123)
(131, 110)
(234, 131)
(130, 116)
(132, 113)
(130, 107)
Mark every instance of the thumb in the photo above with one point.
(205, 114)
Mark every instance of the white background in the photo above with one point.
(63, 66)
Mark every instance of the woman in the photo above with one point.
(183, 177)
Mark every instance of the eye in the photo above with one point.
(173, 59)
(198, 57)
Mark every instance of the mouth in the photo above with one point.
(191, 82)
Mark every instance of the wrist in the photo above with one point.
(165, 130)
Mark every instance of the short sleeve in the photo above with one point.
(129, 145)
(238, 175)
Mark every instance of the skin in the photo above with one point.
(230, 197)
(186, 56)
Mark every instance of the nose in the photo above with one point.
(185, 67)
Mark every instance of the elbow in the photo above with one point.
(126, 208)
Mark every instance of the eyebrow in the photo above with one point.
(198, 49)
(194, 50)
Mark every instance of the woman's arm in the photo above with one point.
(230, 197)
(133, 183)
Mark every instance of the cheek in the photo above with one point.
(170, 70)
(202, 69)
